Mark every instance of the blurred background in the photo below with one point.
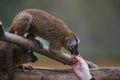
(96, 22)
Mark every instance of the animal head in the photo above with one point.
(30, 56)
(71, 43)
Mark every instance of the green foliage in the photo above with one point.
(44, 42)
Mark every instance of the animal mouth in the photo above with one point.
(74, 51)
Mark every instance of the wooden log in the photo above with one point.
(102, 73)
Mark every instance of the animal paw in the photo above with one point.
(24, 67)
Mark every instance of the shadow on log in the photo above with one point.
(103, 73)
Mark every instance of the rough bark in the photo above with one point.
(103, 73)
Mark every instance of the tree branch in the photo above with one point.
(28, 44)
